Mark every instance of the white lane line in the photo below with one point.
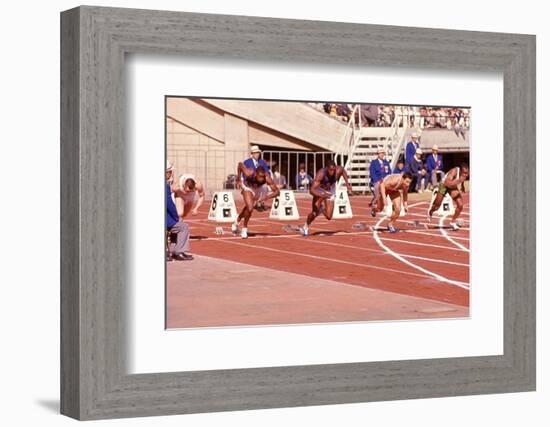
(462, 285)
(436, 234)
(324, 242)
(428, 223)
(424, 216)
(451, 248)
(356, 264)
(444, 233)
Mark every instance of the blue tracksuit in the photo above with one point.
(379, 169)
(399, 171)
(410, 150)
(249, 163)
(414, 166)
(433, 164)
(171, 212)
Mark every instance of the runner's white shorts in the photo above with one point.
(258, 192)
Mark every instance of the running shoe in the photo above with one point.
(373, 212)
(429, 217)
(392, 229)
(235, 228)
(454, 226)
(304, 230)
(244, 233)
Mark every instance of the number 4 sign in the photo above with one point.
(222, 207)
(342, 207)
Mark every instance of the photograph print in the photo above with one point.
(302, 212)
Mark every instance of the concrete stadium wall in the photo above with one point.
(209, 137)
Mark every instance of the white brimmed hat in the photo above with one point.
(418, 151)
(380, 150)
(435, 147)
(169, 166)
(255, 149)
(414, 135)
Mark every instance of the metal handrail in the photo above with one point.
(350, 135)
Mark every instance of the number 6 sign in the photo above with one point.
(222, 207)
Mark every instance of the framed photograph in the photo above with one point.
(262, 213)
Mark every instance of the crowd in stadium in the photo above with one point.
(422, 117)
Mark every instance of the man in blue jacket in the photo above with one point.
(411, 147)
(400, 167)
(434, 166)
(414, 167)
(379, 168)
(255, 160)
(174, 226)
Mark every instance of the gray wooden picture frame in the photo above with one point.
(94, 41)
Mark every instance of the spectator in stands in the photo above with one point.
(379, 168)
(278, 179)
(414, 167)
(400, 167)
(459, 120)
(254, 161)
(434, 166)
(303, 179)
(343, 111)
(411, 147)
(369, 114)
(174, 226)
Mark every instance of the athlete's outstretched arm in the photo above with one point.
(274, 189)
(315, 189)
(200, 189)
(382, 189)
(406, 198)
(241, 168)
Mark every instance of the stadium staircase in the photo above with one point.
(359, 148)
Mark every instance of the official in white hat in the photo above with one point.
(255, 161)
(411, 146)
(379, 168)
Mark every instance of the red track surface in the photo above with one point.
(432, 264)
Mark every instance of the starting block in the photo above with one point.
(342, 206)
(219, 231)
(388, 210)
(284, 207)
(292, 229)
(222, 207)
(361, 226)
(447, 206)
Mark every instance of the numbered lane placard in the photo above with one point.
(342, 206)
(222, 207)
(284, 207)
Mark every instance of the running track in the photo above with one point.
(431, 264)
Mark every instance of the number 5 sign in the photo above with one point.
(284, 207)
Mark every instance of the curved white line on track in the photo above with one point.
(446, 235)
(462, 285)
